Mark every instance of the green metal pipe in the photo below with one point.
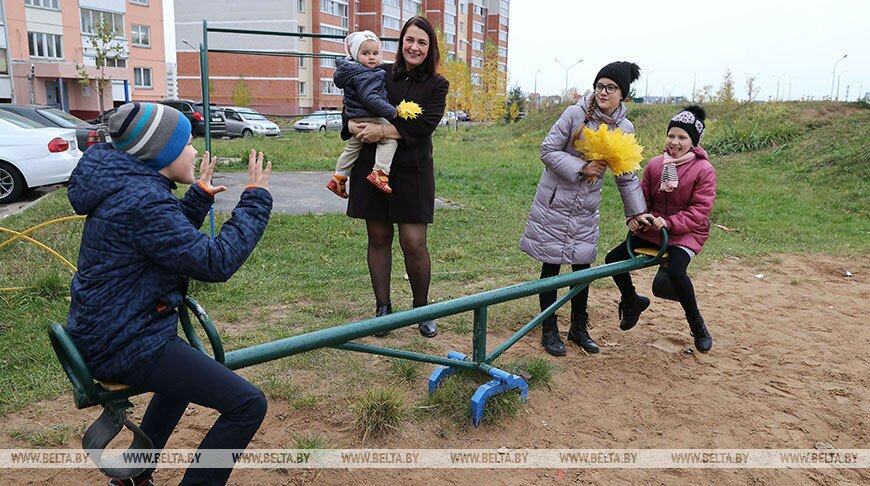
(533, 323)
(287, 34)
(479, 337)
(306, 55)
(203, 56)
(399, 353)
(341, 334)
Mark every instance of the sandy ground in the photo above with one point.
(789, 369)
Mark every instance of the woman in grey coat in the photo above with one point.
(563, 222)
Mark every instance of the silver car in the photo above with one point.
(245, 122)
(319, 121)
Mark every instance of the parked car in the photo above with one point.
(448, 119)
(87, 134)
(195, 112)
(462, 116)
(102, 119)
(319, 121)
(245, 122)
(32, 155)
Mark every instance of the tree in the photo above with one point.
(105, 49)
(515, 104)
(241, 93)
(726, 91)
(705, 94)
(752, 88)
(493, 84)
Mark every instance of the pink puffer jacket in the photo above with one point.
(687, 208)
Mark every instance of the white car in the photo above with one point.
(32, 155)
(319, 121)
(245, 122)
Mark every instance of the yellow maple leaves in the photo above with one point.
(619, 150)
(409, 110)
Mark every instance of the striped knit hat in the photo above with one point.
(153, 132)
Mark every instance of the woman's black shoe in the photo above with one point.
(550, 337)
(703, 340)
(579, 334)
(428, 329)
(383, 310)
(630, 309)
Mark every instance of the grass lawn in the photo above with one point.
(791, 179)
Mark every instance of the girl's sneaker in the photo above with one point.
(338, 185)
(380, 180)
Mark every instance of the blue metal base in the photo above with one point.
(502, 382)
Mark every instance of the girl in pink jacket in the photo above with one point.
(679, 187)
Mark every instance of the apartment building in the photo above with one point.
(45, 40)
(293, 84)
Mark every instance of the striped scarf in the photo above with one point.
(670, 181)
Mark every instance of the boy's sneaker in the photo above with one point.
(338, 185)
(380, 180)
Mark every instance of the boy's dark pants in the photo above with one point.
(180, 374)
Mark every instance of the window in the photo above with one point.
(327, 62)
(391, 23)
(475, 79)
(502, 67)
(477, 45)
(4, 69)
(52, 4)
(327, 86)
(450, 38)
(142, 77)
(302, 31)
(139, 2)
(45, 45)
(328, 29)
(91, 18)
(476, 62)
(391, 3)
(449, 19)
(502, 52)
(334, 8)
(502, 36)
(478, 9)
(141, 35)
(479, 28)
(300, 6)
(110, 61)
(301, 88)
(412, 7)
(390, 46)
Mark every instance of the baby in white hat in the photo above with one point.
(365, 100)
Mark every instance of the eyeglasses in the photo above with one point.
(610, 88)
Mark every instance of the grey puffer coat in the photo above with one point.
(563, 222)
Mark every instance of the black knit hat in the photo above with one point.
(690, 119)
(622, 73)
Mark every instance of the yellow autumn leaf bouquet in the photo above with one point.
(619, 150)
(408, 110)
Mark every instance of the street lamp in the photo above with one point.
(777, 86)
(566, 73)
(838, 85)
(537, 96)
(834, 74)
(646, 89)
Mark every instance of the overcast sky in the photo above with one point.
(674, 42)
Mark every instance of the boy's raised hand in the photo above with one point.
(206, 170)
(257, 175)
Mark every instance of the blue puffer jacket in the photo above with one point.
(140, 244)
(364, 91)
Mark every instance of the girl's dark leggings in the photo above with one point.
(678, 262)
(546, 299)
(180, 374)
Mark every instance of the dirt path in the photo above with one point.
(789, 369)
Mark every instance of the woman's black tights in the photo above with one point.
(578, 302)
(412, 239)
